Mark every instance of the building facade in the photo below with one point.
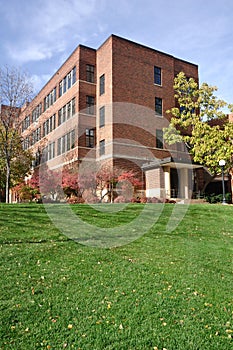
(108, 106)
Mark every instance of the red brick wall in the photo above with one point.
(104, 66)
(80, 57)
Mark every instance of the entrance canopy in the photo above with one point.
(170, 177)
(172, 163)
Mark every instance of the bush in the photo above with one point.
(217, 198)
(120, 199)
(153, 200)
(75, 200)
(135, 200)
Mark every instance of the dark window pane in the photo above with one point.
(157, 75)
(158, 106)
(159, 138)
(102, 84)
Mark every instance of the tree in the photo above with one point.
(20, 161)
(15, 92)
(107, 183)
(46, 181)
(69, 183)
(200, 123)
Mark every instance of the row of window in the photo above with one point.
(35, 115)
(159, 142)
(66, 142)
(50, 99)
(36, 112)
(158, 111)
(66, 83)
(48, 152)
(157, 79)
(36, 136)
(26, 123)
(49, 125)
(64, 114)
(66, 111)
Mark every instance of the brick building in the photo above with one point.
(108, 105)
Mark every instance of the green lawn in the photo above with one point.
(165, 290)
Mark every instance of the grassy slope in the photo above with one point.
(172, 291)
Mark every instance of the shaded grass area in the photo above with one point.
(165, 290)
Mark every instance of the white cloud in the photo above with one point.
(46, 27)
(28, 51)
(39, 81)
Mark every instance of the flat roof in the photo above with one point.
(145, 47)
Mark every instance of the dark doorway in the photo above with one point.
(174, 180)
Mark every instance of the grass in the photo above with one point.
(164, 290)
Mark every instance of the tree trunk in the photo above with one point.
(207, 182)
(231, 179)
(8, 172)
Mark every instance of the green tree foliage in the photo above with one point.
(20, 160)
(15, 92)
(199, 122)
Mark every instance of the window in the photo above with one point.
(36, 112)
(60, 88)
(159, 138)
(26, 123)
(102, 84)
(90, 73)
(102, 147)
(66, 83)
(66, 112)
(102, 116)
(66, 142)
(90, 102)
(158, 106)
(36, 136)
(73, 106)
(37, 160)
(59, 117)
(26, 143)
(73, 75)
(59, 146)
(49, 125)
(50, 99)
(157, 76)
(51, 148)
(69, 80)
(72, 139)
(48, 152)
(90, 138)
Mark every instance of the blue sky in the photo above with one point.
(38, 35)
